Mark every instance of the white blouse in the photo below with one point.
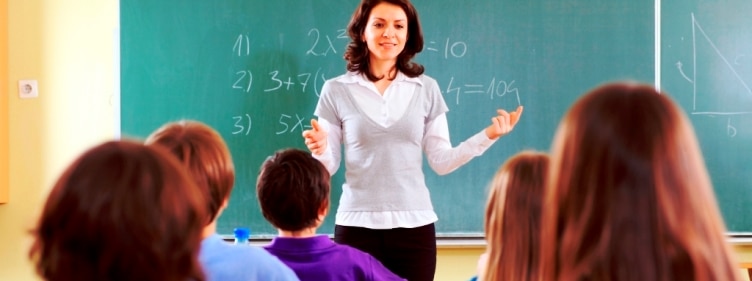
(386, 110)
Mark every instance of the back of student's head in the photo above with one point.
(121, 211)
(629, 197)
(292, 188)
(512, 220)
(203, 151)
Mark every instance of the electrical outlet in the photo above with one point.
(28, 89)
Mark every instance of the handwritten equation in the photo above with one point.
(286, 124)
(322, 44)
(493, 90)
(281, 81)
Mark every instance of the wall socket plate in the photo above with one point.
(28, 89)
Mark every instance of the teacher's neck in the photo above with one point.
(386, 69)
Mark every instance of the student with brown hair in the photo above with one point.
(628, 195)
(512, 220)
(205, 155)
(293, 191)
(121, 211)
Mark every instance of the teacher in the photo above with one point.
(385, 113)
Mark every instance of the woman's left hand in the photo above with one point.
(503, 123)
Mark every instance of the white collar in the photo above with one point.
(355, 77)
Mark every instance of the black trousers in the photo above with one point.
(408, 252)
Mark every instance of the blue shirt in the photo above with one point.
(223, 261)
(319, 258)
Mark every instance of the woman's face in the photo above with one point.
(386, 32)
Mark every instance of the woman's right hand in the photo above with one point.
(315, 138)
(503, 123)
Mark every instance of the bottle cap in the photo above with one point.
(242, 233)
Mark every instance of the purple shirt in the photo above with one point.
(319, 258)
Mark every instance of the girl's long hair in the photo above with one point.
(513, 217)
(629, 197)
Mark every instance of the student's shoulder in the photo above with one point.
(225, 261)
(273, 268)
(355, 255)
(216, 247)
(254, 252)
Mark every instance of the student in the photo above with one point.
(512, 220)
(628, 195)
(293, 191)
(386, 113)
(121, 211)
(206, 156)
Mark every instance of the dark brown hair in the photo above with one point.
(121, 211)
(292, 187)
(204, 153)
(629, 197)
(512, 220)
(356, 54)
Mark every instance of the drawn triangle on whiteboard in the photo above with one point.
(721, 83)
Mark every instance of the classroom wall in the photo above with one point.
(71, 48)
(22, 189)
(4, 102)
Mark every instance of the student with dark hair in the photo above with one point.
(293, 191)
(628, 195)
(385, 113)
(513, 217)
(121, 211)
(203, 152)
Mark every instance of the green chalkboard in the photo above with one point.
(253, 70)
(706, 64)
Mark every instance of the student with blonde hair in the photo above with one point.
(203, 152)
(628, 195)
(512, 219)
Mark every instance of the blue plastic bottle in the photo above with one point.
(242, 234)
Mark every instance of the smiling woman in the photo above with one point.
(385, 34)
(386, 112)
